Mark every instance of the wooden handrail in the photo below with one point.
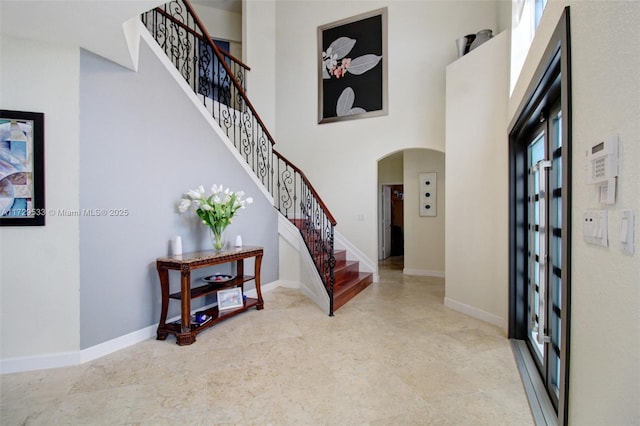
(231, 75)
(236, 60)
(255, 113)
(311, 188)
(316, 222)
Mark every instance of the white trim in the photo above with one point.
(315, 290)
(288, 231)
(289, 284)
(475, 312)
(310, 283)
(113, 345)
(366, 264)
(67, 359)
(423, 272)
(131, 31)
(39, 362)
(265, 288)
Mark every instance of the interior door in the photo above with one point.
(386, 222)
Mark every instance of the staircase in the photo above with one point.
(348, 280)
(217, 78)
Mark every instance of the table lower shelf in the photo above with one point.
(217, 316)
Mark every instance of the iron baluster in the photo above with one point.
(219, 79)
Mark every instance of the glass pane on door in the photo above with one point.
(536, 154)
(555, 256)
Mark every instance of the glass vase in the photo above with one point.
(217, 238)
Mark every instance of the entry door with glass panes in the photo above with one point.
(544, 232)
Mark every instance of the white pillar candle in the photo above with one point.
(177, 246)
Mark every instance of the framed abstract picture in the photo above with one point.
(21, 168)
(230, 298)
(352, 67)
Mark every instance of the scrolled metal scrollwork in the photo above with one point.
(285, 184)
(220, 80)
(177, 11)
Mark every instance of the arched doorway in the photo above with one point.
(417, 239)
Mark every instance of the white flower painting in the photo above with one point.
(353, 67)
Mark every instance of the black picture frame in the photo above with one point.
(22, 199)
(352, 67)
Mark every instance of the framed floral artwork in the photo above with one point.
(21, 168)
(352, 77)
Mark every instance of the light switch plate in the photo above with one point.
(595, 227)
(627, 224)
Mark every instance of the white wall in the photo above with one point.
(222, 25)
(260, 53)
(144, 165)
(39, 273)
(604, 379)
(421, 41)
(114, 139)
(476, 195)
(424, 243)
(390, 169)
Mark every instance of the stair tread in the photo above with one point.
(347, 290)
(348, 279)
(343, 264)
(346, 284)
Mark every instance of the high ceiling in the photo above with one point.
(95, 25)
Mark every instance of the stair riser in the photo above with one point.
(347, 278)
(346, 273)
(355, 287)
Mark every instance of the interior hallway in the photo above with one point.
(392, 356)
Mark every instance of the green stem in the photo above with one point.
(217, 241)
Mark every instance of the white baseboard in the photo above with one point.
(67, 359)
(39, 362)
(423, 272)
(289, 284)
(475, 312)
(266, 288)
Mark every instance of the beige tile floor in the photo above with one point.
(393, 356)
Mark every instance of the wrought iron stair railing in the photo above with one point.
(218, 79)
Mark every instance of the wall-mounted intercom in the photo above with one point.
(602, 168)
(427, 186)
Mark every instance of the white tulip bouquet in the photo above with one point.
(215, 210)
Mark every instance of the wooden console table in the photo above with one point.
(184, 330)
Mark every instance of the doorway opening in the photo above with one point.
(391, 227)
(540, 232)
(393, 220)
